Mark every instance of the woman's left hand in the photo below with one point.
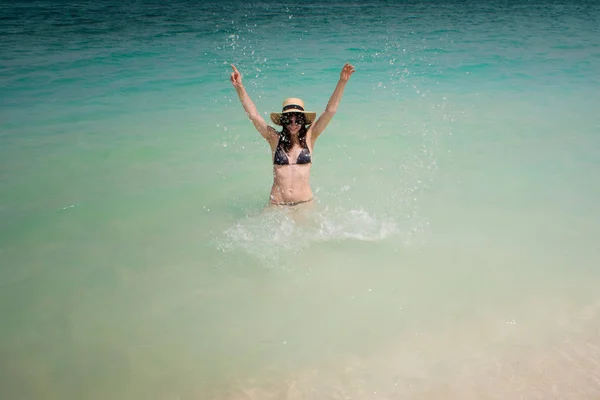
(346, 72)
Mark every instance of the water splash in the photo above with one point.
(275, 236)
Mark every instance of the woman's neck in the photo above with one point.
(291, 138)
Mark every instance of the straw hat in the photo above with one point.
(293, 105)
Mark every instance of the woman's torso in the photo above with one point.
(291, 175)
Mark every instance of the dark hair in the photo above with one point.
(285, 138)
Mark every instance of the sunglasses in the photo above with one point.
(286, 119)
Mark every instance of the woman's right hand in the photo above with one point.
(236, 77)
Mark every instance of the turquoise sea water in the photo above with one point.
(451, 253)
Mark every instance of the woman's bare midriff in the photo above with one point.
(291, 184)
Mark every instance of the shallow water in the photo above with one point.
(451, 250)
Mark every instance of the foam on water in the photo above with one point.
(276, 235)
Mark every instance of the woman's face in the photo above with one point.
(293, 121)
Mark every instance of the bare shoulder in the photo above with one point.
(311, 137)
(272, 136)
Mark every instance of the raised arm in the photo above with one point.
(259, 123)
(322, 122)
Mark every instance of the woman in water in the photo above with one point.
(292, 147)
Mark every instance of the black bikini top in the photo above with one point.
(282, 159)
